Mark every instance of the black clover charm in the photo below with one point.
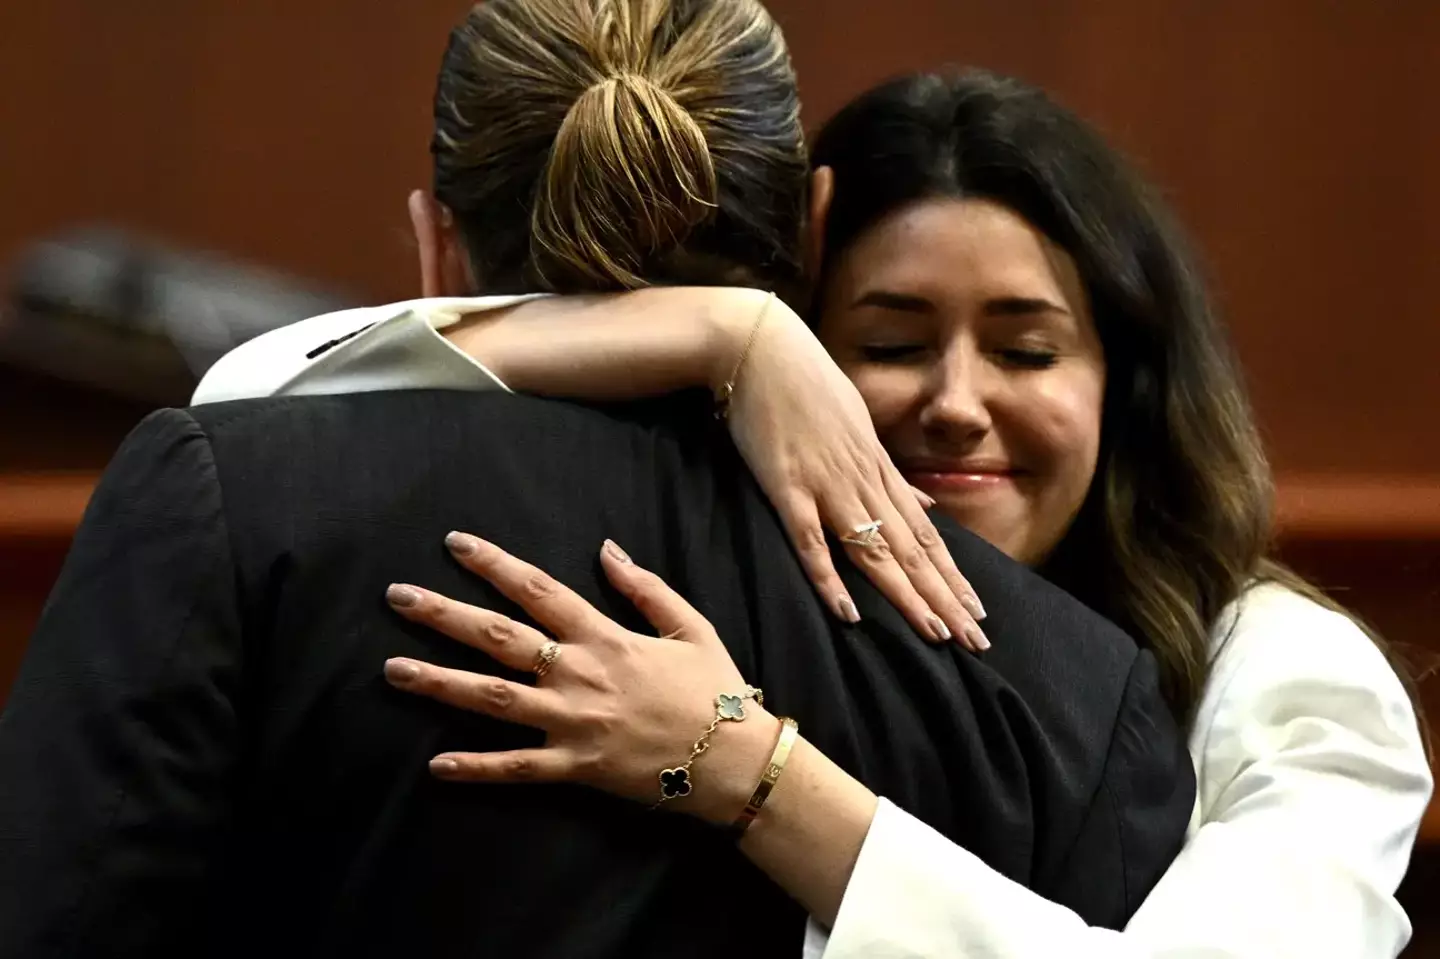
(730, 707)
(674, 783)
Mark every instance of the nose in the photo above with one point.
(956, 410)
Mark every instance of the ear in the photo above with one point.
(444, 265)
(822, 191)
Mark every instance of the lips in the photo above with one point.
(960, 475)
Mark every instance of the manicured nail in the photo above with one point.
(401, 671)
(848, 612)
(972, 605)
(977, 637)
(402, 596)
(444, 766)
(926, 500)
(938, 629)
(616, 553)
(461, 544)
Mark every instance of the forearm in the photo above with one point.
(807, 837)
(620, 346)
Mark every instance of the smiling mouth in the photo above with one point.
(935, 479)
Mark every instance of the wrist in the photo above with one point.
(736, 761)
(809, 836)
(731, 319)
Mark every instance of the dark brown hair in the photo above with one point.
(1179, 520)
(589, 145)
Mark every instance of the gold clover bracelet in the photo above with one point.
(675, 783)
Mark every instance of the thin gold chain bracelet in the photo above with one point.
(727, 389)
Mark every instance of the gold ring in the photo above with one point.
(545, 658)
(866, 534)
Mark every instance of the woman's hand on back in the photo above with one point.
(808, 438)
(617, 707)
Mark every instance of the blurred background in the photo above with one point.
(176, 176)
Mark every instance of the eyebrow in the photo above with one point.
(887, 300)
(998, 306)
(1022, 306)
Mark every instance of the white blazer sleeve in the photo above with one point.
(364, 350)
(1313, 783)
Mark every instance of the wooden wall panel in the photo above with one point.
(286, 133)
(1295, 137)
(1292, 136)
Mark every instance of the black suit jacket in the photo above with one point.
(200, 755)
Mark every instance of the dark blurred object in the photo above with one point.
(110, 311)
(48, 424)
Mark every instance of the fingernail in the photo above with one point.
(972, 605)
(444, 766)
(848, 612)
(938, 629)
(401, 671)
(461, 544)
(402, 596)
(926, 500)
(977, 637)
(613, 548)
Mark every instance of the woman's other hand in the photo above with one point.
(808, 438)
(617, 707)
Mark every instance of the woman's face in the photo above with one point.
(969, 336)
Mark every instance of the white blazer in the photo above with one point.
(1312, 779)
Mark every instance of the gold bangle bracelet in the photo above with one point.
(789, 730)
(727, 389)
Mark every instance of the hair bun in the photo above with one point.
(628, 177)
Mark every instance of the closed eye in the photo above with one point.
(1030, 359)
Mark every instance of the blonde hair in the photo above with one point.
(612, 144)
